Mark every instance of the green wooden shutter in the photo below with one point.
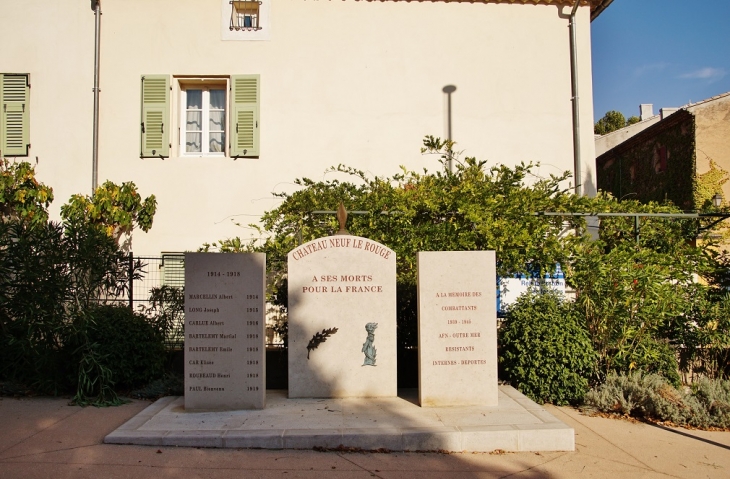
(155, 116)
(173, 269)
(14, 114)
(244, 122)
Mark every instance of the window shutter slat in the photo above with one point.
(245, 99)
(14, 115)
(173, 270)
(155, 129)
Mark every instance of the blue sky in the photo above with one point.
(665, 52)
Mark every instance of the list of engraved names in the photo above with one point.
(224, 332)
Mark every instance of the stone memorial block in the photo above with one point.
(457, 328)
(225, 330)
(342, 327)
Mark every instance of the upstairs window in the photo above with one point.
(245, 20)
(245, 15)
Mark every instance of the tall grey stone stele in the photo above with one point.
(225, 352)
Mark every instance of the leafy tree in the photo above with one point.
(632, 292)
(635, 298)
(52, 279)
(50, 276)
(612, 121)
(21, 195)
(115, 209)
(475, 207)
(229, 245)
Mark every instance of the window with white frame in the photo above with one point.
(211, 116)
(203, 121)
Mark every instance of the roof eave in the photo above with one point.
(600, 8)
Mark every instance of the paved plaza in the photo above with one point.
(45, 437)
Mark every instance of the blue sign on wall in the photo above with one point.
(512, 287)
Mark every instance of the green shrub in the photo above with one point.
(634, 299)
(53, 336)
(643, 395)
(545, 351)
(34, 288)
(651, 356)
(167, 313)
(170, 385)
(49, 277)
(714, 395)
(707, 404)
(125, 343)
(703, 330)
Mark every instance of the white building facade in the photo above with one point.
(213, 105)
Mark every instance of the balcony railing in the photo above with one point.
(245, 15)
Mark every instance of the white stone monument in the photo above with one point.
(225, 352)
(457, 328)
(342, 319)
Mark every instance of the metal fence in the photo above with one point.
(168, 269)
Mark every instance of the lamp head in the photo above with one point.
(717, 200)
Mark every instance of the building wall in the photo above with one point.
(350, 82)
(655, 165)
(713, 134)
(615, 138)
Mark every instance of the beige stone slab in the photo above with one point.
(489, 438)
(264, 439)
(194, 439)
(457, 328)
(489, 418)
(385, 420)
(136, 422)
(343, 283)
(307, 438)
(432, 439)
(520, 399)
(138, 437)
(371, 439)
(374, 423)
(303, 422)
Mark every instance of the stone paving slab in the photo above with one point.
(397, 424)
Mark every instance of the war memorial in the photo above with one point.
(342, 361)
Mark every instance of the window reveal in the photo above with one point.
(245, 15)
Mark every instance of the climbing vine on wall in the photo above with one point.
(707, 184)
(639, 171)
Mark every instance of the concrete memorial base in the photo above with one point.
(397, 424)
